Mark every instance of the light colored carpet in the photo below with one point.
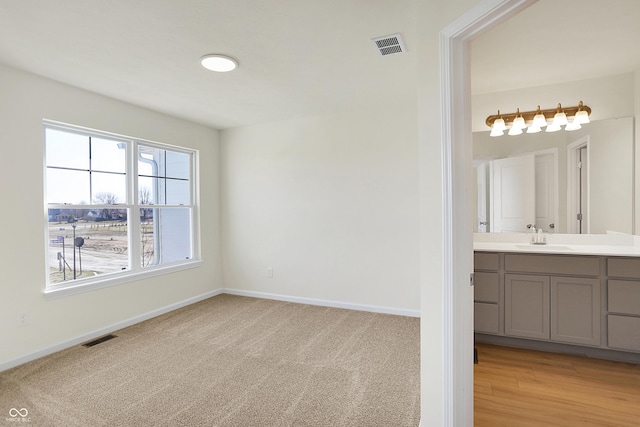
(230, 361)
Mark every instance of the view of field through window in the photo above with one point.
(80, 246)
(90, 223)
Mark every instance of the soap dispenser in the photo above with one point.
(533, 234)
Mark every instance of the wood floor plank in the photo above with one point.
(516, 387)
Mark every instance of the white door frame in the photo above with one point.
(457, 245)
(572, 184)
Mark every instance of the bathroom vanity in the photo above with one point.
(575, 295)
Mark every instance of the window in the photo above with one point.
(116, 207)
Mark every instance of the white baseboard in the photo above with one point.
(145, 316)
(106, 330)
(324, 303)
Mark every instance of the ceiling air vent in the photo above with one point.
(389, 45)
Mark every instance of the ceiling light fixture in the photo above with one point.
(534, 121)
(218, 63)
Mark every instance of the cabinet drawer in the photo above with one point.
(486, 287)
(624, 296)
(624, 332)
(552, 264)
(485, 318)
(624, 267)
(486, 261)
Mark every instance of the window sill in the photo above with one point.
(79, 287)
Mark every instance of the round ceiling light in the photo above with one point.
(219, 63)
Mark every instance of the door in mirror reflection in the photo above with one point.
(514, 191)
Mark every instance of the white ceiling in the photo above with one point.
(297, 58)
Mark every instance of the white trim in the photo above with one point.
(572, 184)
(324, 303)
(106, 330)
(119, 278)
(457, 317)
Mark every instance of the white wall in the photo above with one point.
(25, 101)
(610, 175)
(330, 203)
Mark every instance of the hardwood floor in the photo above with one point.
(515, 387)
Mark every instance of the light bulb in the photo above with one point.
(582, 117)
(499, 124)
(519, 123)
(515, 131)
(560, 119)
(574, 125)
(496, 132)
(533, 129)
(553, 128)
(539, 120)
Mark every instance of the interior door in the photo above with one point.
(546, 192)
(514, 193)
(482, 179)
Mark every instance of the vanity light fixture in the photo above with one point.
(219, 63)
(533, 121)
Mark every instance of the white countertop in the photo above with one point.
(565, 244)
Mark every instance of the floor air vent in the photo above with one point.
(99, 340)
(389, 45)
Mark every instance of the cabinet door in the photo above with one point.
(486, 318)
(575, 310)
(526, 306)
(486, 287)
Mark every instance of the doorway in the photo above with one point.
(578, 186)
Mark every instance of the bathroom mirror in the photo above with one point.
(582, 180)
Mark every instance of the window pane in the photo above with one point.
(108, 188)
(146, 191)
(100, 247)
(177, 192)
(68, 186)
(108, 155)
(147, 238)
(68, 150)
(177, 165)
(165, 235)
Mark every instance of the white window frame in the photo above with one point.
(135, 271)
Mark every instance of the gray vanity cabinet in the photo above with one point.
(563, 309)
(548, 297)
(584, 304)
(526, 306)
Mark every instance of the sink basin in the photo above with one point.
(544, 247)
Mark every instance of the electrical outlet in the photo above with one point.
(23, 318)
(269, 271)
